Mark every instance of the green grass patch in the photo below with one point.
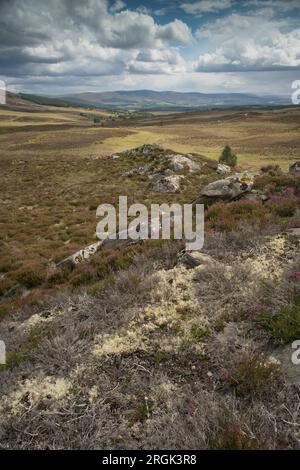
(284, 326)
(199, 333)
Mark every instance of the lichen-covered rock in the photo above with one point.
(180, 162)
(142, 170)
(222, 189)
(295, 168)
(82, 255)
(227, 189)
(223, 169)
(168, 184)
(86, 253)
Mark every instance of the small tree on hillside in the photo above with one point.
(228, 157)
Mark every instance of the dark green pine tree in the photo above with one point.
(228, 157)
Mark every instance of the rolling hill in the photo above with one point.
(161, 100)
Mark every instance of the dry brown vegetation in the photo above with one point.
(135, 350)
(153, 347)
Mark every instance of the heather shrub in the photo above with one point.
(232, 436)
(295, 220)
(59, 276)
(5, 307)
(5, 285)
(284, 204)
(277, 183)
(110, 261)
(252, 374)
(30, 276)
(83, 274)
(7, 264)
(224, 217)
(273, 170)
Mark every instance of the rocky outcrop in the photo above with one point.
(148, 149)
(161, 162)
(86, 253)
(168, 184)
(295, 168)
(142, 170)
(82, 255)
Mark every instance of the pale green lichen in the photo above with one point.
(33, 390)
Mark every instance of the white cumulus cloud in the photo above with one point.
(206, 6)
(248, 42)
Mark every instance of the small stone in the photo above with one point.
(195, 258)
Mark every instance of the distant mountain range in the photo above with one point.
(148, 100)
(162, 100)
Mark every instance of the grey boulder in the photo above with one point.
(227, 189)
(295, 168)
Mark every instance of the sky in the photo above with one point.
(57, 47)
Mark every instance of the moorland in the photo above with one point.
(112, 352)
